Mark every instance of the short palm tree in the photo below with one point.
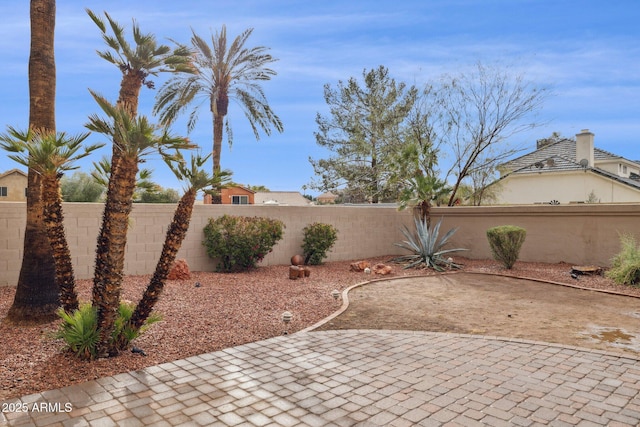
(134, 138)
(50, 154)
(420, 191)
(197, 180)
(221, 73)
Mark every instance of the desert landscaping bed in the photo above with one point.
(212, 311)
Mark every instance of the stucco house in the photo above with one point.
(237, 195)
(13, 186)
(281, 198)
(327, 198)
(568, 171)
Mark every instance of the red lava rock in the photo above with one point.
(359, 266)
(179, 270)
(382, 269)
(294, 272)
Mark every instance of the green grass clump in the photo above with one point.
(625, 266)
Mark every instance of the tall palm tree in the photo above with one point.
(50, 154)
(221, 73)
(137, 63)
(134, 138)
(197, 179)
(36, 292)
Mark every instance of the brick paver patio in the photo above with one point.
(356, 378)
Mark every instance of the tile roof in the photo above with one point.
(564, 151)
(560, 157)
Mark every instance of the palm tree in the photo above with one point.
(137, 63)
(221, 73)
(102, 173)
(420, 191)
(36, 292)
(50, 154)
(197, 179)
(134, 138)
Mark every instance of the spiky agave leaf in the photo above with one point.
(425, 247)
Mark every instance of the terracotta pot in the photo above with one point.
(294, 272)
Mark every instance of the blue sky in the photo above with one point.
(587, 51)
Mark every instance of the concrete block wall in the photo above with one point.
(577, 234)
(362, 232)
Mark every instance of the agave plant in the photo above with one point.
(426, 249)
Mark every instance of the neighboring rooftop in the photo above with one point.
(282, 198)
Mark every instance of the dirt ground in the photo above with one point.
(492, 305)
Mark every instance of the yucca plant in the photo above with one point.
(426, 250)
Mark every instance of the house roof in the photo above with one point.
(327, 195)
(11, 171)
(291, 198)
(248, 190)
(564, 151)
(560, 157)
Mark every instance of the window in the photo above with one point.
(240, 200)
(3, 191)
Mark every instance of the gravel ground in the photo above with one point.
(225, 310)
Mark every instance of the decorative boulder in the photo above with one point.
(179, 270)
(382, 269)
(297, 260)
(359, 266)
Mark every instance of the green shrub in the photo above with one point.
(505, 242)
(79, 330)
(318, 240)
(427, 250)
(240, 242)
(125, 311)
(625, 266)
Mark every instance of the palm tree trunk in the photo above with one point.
(36, 293)
(218, 123)
(110, 252)
(173, 241)
(128, 98)
(54, 220)
(425, 212)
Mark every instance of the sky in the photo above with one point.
(587, 52)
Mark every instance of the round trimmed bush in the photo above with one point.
(240, 242)
(505, 242)
(318, 240)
